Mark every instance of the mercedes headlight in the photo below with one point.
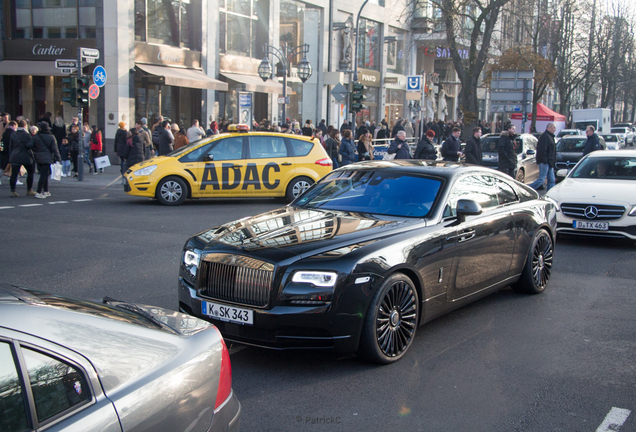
(145, 171)
(317, 278)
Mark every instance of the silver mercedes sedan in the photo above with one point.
(78, 365)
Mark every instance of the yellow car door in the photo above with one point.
(268, 165)
(219, 168)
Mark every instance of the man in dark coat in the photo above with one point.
(425, 148)
(400, 147)
(592, 143)
(345, 125)
(546, 158)
(435, 128)
(473, 148)
(323, 127)
(20, 148)
(46, 152)
(166, 139)
(452, 147)
(506, 150)
(121, 137)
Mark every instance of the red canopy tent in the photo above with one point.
(544, 116)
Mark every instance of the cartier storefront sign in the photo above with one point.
(44, 49)
(166, 55)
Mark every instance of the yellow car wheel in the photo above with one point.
(172, 191)
(297, 186)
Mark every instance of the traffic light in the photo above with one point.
(82, 91)
(357, 97)
(69, 91)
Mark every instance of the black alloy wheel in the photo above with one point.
(538, 269)
(391, 321)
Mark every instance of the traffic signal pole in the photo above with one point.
(80, 111)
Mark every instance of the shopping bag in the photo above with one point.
(388, 156)
(102, 162)
(56, 171)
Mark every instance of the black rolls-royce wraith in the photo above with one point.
(367, 254)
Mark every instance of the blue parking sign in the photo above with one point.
(99, 76)
(414, 82)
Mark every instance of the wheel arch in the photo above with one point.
(415, 278)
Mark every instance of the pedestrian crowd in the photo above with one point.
(26, 147)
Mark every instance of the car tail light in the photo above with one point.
(324, 162)
(225, 377)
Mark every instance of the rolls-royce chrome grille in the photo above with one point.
(236, 279)
(592, 211)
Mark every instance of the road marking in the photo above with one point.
(6, 207)
(82, 200)
(113, 182)
(614, 420)
(30, 205)
(59, 202)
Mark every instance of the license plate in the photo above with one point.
(228, 313)
(599, 226)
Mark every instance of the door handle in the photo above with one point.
(286, 163)
(466, 235)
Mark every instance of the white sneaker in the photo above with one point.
(46, 194)
(40, 195)
(19, 183)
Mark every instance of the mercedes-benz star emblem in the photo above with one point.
(591, 212)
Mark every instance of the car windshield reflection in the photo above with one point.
(611, 168)
(376, 192)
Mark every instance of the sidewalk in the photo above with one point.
(110, 178)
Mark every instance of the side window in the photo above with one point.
(56, 385)
(197, 154)
(478, 188)
(14, 416)
(267, 147)
(518, 145)
(227, 149)
(505, 192)
(301, 148)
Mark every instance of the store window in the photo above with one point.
(243, 27)
(53, 19)
(169, 22)
(369, 46)
(395, 52)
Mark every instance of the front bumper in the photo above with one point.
(283, 327)
(624, 227)
(141, 186)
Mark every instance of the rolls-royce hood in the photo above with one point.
(292, 231)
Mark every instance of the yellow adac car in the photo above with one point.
(236, 164)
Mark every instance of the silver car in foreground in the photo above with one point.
(76, 365)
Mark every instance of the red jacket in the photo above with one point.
(96, 141)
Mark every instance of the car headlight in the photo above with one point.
(317, 278)
(191, 258)
(145, 171)
(632, 212)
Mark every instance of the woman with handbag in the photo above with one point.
(46, 152)
(365, 147)
(332, 144)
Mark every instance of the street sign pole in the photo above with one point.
(80, 111)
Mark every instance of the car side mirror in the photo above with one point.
(466, 207)
(562, 172)
(530, 152)
(208, 158)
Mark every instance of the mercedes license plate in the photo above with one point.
(599, 226)
(227, 313)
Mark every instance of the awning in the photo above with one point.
(181, 77)
(29, 67)
(255, 84)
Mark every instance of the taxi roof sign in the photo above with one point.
(238, 128)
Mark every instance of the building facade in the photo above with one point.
(190, 59)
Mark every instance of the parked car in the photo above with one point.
(366, 255)
(525, 146)
(625, 133)
(569, 152)
(567, 132)
(71, 364)
(613, 141)
(598, 197)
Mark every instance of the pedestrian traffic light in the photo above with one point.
(82, 91)
(69, 91)
(357, 97)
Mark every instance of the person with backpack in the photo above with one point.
(46, 152)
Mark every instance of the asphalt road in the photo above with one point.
(560, 361)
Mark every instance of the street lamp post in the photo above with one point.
(285, 55)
